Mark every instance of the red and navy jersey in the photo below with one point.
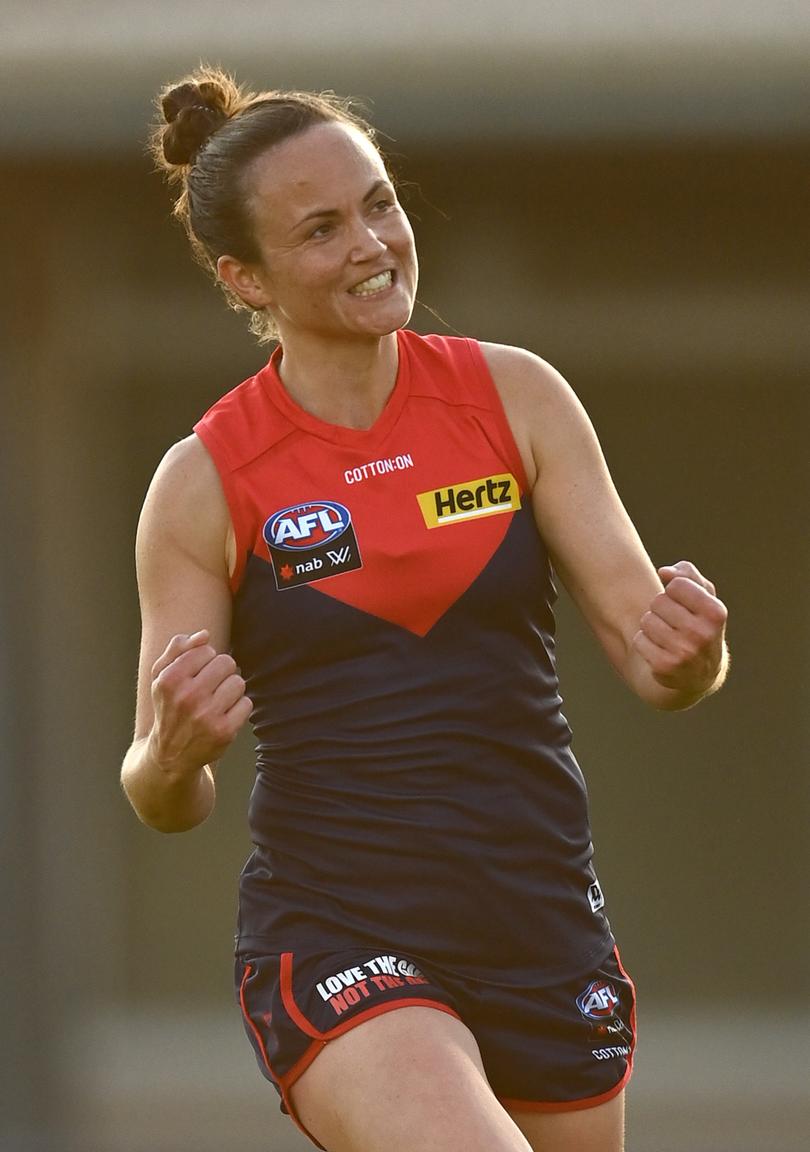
(392, 616)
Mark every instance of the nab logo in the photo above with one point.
(485, 497)
(599, 1001)
(308, 542)
(306, 525)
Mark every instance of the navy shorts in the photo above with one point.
(550, 1049)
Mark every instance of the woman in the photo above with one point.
(366, 527)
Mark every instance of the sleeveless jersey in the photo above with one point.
(392, 617)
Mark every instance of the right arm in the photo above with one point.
(191, 700)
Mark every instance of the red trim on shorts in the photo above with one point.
(633, 1027)
(263, 1050)
(257, 1034)
(568, 1105)
(293, 1011)
(300, 1066)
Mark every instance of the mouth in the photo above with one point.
(374, 284)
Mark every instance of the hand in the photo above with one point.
(681, 636)
(199, 702)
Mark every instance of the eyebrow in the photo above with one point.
(317, 212)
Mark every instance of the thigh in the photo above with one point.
(599, 1129)
(409, 1080)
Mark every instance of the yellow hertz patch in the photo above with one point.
(485, 497)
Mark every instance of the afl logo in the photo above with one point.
(307, 525)
(599, 1001)
(310, 542)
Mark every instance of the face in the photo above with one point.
(338, 256)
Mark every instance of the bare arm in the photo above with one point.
(191, 700)
(662, 631)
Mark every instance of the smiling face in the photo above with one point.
(338, 256)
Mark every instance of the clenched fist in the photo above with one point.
(681, 635)
(199, 703)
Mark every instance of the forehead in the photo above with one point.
(315, 167)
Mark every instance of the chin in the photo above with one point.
(388, 320)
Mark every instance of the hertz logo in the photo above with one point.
(485, 497)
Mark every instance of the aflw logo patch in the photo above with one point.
(599, 1000)
(485, 497)
(308, 542)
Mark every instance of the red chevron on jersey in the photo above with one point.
(441, 454)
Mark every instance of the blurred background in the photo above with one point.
(621, 187)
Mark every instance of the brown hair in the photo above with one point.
(208, 131)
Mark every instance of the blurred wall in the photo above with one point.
(664, 273)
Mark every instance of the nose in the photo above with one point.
(365, 242)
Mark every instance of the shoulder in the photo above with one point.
(524, 378)
(466, 369)
(185, 505)
(540, 405)
(186, 472)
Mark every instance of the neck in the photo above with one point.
(346, 384)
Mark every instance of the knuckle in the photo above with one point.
(171, 650)
(718, 611)
(174, 686)
(225, 664)
(164, 681)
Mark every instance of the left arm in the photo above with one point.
(664, 632)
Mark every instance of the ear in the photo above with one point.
(245, 280)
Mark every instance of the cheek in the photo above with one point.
(307, 279)
(400, 240)
(405, 231)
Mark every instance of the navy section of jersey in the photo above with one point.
(417, 791)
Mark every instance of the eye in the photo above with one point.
(383, 205)
(321, 230)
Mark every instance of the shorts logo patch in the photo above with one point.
(308, 542)
(595, 897)
(342, 990)
(599, 1004)
(599, 1001)
(486, 496)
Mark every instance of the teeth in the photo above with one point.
(375, 284)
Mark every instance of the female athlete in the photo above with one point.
(354, 550)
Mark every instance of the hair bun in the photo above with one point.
(192, 113)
